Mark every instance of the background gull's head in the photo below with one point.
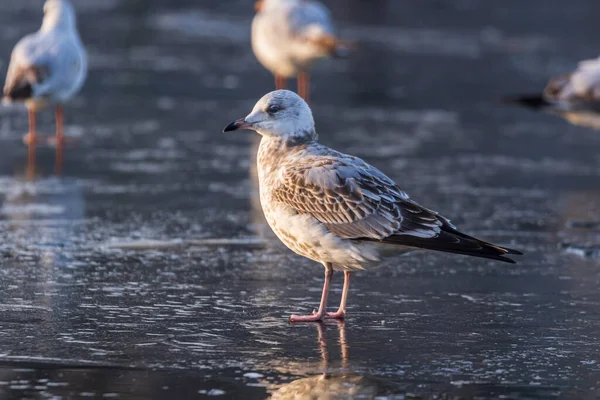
(281, 114)
(58, 14)
(266, 5)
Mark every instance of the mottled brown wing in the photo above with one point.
(555, 87)
(353, 199)
(356, 201)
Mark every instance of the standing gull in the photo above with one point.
(335, 208)
(48, 66)
(290, 36)
(574, 96)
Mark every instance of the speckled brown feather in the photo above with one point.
(356, 201)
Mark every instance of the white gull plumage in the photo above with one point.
(290, 36)
(50, 65)
(334, 208)
(574, 96)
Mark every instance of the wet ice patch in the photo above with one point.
(545, 165)
(15, 187)
(248, 241)
(212, 392)
(592, 225)
(151, 58)
(93, 6)
(30, 210)
(468, 44)
(237, 191)
(415, 128)
(21, 307)
(582, 250)
(142, 167)
(253, 375)
(152, 244)
(395, 115)
(204, 24)
(420, 41)
(146, 244)
(160, 154)
(43, 198)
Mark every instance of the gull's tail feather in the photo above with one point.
(534, 102)
(20, 86)
(452, 241)
(335, 47)
(23, 91)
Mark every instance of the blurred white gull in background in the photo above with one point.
(574, 96)
(48, 66)
(289, 36)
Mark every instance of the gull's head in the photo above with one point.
(58, 14)
(279, 114)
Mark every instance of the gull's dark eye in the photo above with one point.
(273, 109)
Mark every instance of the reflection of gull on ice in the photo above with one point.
(341, 384)
(43, 213)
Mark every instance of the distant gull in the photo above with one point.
(574, 96)
(47, 67)
(290, 36)
(336, 209)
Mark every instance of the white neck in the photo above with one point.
(59, 21)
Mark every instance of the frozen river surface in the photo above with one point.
(146, 271)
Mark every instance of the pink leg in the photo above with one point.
(317, 316)
(30, 137)
(280, 82)
(304, 86)
(341, 312)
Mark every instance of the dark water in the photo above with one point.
(145, 270)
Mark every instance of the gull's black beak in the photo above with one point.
(236, 125)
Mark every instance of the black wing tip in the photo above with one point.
(487, 254)
(535, 101)
(21, 92)
(500, 250)
(508, 250)
(513, 251)
(455, 242)
(488, 250)
(499, 256)
(505, 259)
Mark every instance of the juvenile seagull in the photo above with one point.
(48, 66)
(574, 96)
(289, 36)
(335, 208)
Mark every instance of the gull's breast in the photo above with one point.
(308, 237)
(303, 233)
